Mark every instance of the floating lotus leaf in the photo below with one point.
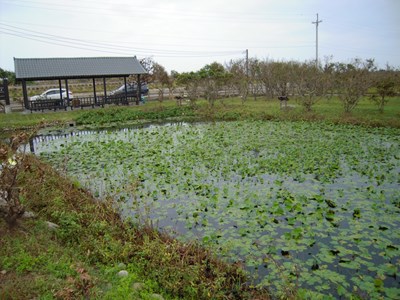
(309, 204)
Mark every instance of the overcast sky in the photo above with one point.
(185, 35)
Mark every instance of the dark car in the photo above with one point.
(131, 90)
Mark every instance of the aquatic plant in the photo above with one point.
(312, 206)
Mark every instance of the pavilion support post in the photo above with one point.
(67, 90)
(126, 91)
(94, 91)
(105, 92)
(25, 94)
(61, 102)
(139, 90)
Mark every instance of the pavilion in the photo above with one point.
(66, 68)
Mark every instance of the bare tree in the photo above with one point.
(266, 77)
(385, 83)
(11, 162)
(352, 81)
(281, 78)
(238, 78)
(309, 82)
(160, 79)
(329, 70)
(171, 83)
(148, 64)
(255, 83)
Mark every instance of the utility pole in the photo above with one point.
(247, 63)
(316, 40)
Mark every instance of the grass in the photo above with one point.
(82, 257)
(330, 110)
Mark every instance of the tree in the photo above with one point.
(266, 78)
(171, 83)
(385, 84)
(7, 74)
(161, 80)
(310, 83)
(191, 82)
(352, 81)
(254, 77)
(148, 65)
(281, 78)
(238, 77)
(328, 69)
(11, 162)
(212, 78)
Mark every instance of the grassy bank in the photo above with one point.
(81, 258)
(329, 110)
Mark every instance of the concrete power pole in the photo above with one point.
(316, 40)
(247, 63)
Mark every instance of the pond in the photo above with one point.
(310, 206)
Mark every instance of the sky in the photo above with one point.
(185, 35)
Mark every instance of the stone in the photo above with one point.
(138, 286)
(156, 297)
(52, 226)
(121, 266)
(28, 215)
(3, 272)
(122, 273)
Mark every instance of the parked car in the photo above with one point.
(53, 94)
(131, 89)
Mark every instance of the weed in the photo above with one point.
(11, 162)
(74, 261)
(118, 115)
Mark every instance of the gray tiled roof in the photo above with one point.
(77, 67)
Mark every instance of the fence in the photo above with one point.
(54, 104)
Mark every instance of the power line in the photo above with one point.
(97, 8)
(104, 47)
(193, 39)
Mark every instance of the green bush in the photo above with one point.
(120, 115)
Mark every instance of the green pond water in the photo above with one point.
(300, 205)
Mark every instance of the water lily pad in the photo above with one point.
(326, 220)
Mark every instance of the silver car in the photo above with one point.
(53, 94)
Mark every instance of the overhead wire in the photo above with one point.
(145, 11)
(195, 41)
(102, 46)
(81, 8)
